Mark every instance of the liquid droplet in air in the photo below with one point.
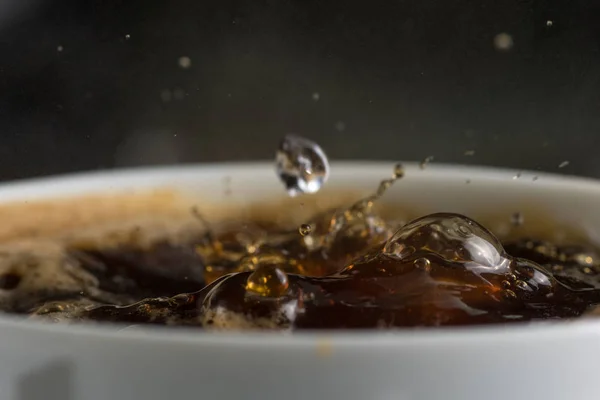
(267, 281)
(301, 165)
(425, 162)
(503, 42)
(184, 62)
(398, 171)
(305, 229)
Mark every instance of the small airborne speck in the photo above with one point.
(340, 126)
(185, 62)
(128, 36)
(549, 23)
(563, 164)
(178, 94)
(503, 42)
(59, 48)
(166, 95)
(316, 96)
(470, 153)
(425, 162)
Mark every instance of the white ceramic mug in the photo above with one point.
(540, 361)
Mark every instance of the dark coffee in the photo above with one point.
(442, 269)
(347, 268)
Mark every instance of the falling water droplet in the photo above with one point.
(301, 165)
(398, 171)
(305, 229)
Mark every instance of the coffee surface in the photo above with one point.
(342, 269)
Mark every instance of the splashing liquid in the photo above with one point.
(343, 269)
(359, 272)
(441, 269)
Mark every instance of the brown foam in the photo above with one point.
(56, 217)
(222, 319)
(107, 220)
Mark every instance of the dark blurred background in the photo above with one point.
(89, 84)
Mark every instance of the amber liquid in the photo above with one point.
(343, 269)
